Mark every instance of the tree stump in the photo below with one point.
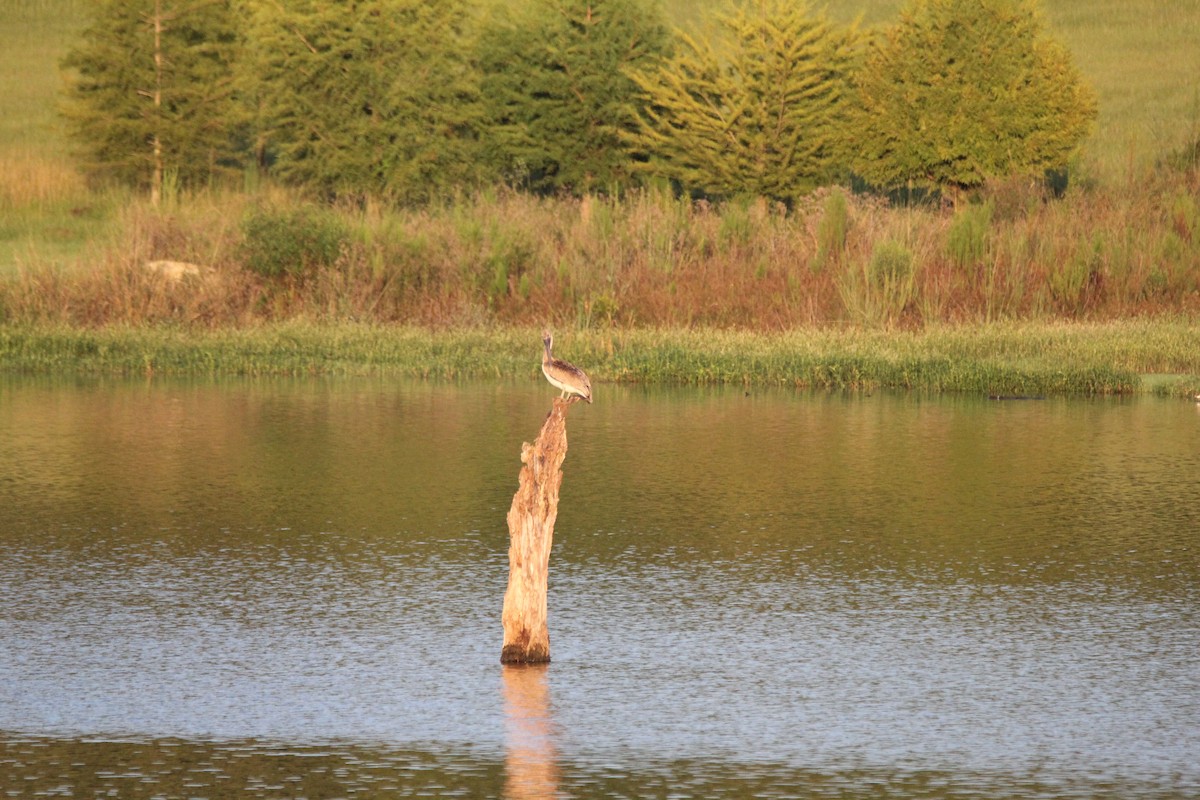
(530, 535)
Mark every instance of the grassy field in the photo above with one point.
(46, 211)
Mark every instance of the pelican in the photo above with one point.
(566, 377)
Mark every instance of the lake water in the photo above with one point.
(293, 588)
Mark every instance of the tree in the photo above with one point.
(756, 112)
(960, 91)
(557, 93)
(375, 98)
(150, 92)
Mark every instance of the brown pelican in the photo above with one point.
(566, 377)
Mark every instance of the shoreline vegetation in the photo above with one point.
(1000, 360)
(1015, 289)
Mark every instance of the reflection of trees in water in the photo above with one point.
(531, 758)
(133, 770)
(45, 767)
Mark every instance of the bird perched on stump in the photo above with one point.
(567, 377)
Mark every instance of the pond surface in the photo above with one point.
(293, 589)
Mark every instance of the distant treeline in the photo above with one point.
(407, 101)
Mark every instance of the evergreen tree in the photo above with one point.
(557, 94)
(963, 90)
(371, 98)
(150, 91)
(757, 111)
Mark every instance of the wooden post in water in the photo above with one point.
(530, 535)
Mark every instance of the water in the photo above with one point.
(293, 589)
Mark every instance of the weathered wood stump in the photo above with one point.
(530, 535)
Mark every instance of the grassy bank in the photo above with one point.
(1009, 359)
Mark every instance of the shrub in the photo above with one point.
(967, 239)
(832, 230)
(879, 290)
(292, 241)
(959, 92)
(891, 264)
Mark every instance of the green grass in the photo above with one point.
(1143, 59)
(1028, 359)
(34, 35)
(46, 213)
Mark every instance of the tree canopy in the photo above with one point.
(406, 100)
(557, 94)
(375, 97)
(963, 90)
(150, 91)
(756, 111)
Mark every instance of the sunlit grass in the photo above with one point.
(46, 211)
(1029, 359)
(34, 35)
(1143, 59)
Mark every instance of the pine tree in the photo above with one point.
(375, 98)
(755, 112)
(557, 94)
(150, 92)
(960, 91)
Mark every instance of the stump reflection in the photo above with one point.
(531, 760)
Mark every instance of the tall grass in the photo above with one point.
(646, 259)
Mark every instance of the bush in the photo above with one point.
(957, 92)
(891, 264)
(292, 241)
(968, 236)
(833, 229)
(878, 291)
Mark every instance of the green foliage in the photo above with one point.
(962, 90)
(1185, 216)
(755, 112)
(292, 240)
(967, 238)
(556, 92)
(891, 264)
(833, 229)
(1072, 282)
(878, 291)
(151, 91)
(370, 99)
